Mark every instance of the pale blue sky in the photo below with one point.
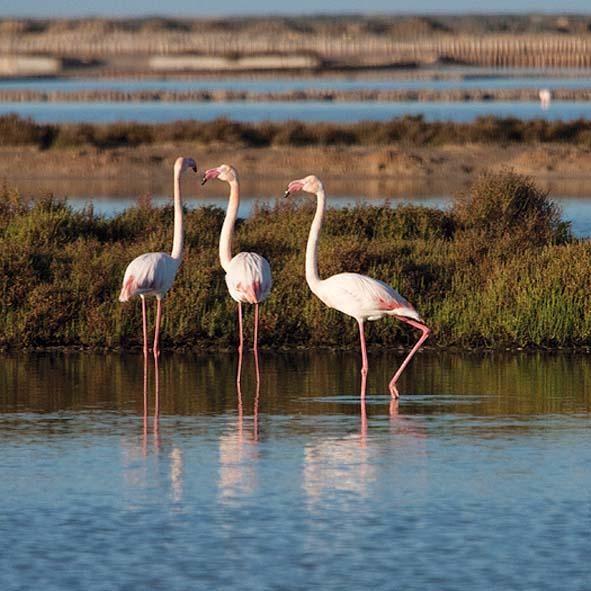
(49, 8)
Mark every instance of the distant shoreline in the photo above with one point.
(324, 95)
(363, 170)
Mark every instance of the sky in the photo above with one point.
(196, 8)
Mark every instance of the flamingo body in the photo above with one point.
(248, 277)
(363, 298)
(150, 274)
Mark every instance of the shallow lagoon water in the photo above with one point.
(576, 210)
(478, 478)
(312, 111)
(467, 79)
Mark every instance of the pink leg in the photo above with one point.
(240, 345)
(157, 329)
(425, 333)
(256, 327)
(255, 347)
(257, 368)
(241, 336)
(363, 358)
(145, 325)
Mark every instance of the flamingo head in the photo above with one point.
(181, 164)
(225, 172)
(309, 184)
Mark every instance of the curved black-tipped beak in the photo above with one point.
(286, 194)
(203, 180)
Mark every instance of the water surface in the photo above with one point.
(479, 478)
(313, 111)
(575, 210)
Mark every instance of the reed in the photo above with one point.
(498, 269)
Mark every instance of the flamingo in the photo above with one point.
(152, 273)
(248, 274)
(545, 98)
(353, 294)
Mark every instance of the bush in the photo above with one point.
(505, 214)
(498, 269)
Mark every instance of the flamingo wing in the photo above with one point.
(151, 273)
(363, 297)
(249, 278)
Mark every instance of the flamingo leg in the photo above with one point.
(425, 333)
(363, 358)
(145, 325)
(256, 367)
(157, 329)
(256, 327)
(241, 335)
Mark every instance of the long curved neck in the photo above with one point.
(312, 276)
(177, 241)
(228, 226)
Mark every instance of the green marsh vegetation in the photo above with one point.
(497, 269)
(408, 131)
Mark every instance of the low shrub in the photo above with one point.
(499, 268)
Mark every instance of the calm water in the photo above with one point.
(576, 210)
(479, 478)
(157, 112)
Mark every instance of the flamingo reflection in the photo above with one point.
(156, 420)
(238, 448)
(176, 455)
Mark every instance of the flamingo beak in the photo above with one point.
(293, 187)
(212, 173)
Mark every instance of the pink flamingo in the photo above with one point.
(356, 295)
(248, 274)
(152, 273)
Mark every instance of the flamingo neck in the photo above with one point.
(177, 241)
(312, 276)
(228, 226)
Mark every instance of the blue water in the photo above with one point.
(314, 111)
(576, 210)
(478, 479)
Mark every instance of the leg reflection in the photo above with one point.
(255, 427)
(363, 430)
(156, 401)
(145, 438)
(240, 426)
(394, 407)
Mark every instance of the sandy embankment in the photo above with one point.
(365, 171)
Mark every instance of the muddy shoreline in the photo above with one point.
(367, 171)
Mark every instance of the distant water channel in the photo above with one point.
(313, 111)
(576, 210)
(477, 479)
(480, 79)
